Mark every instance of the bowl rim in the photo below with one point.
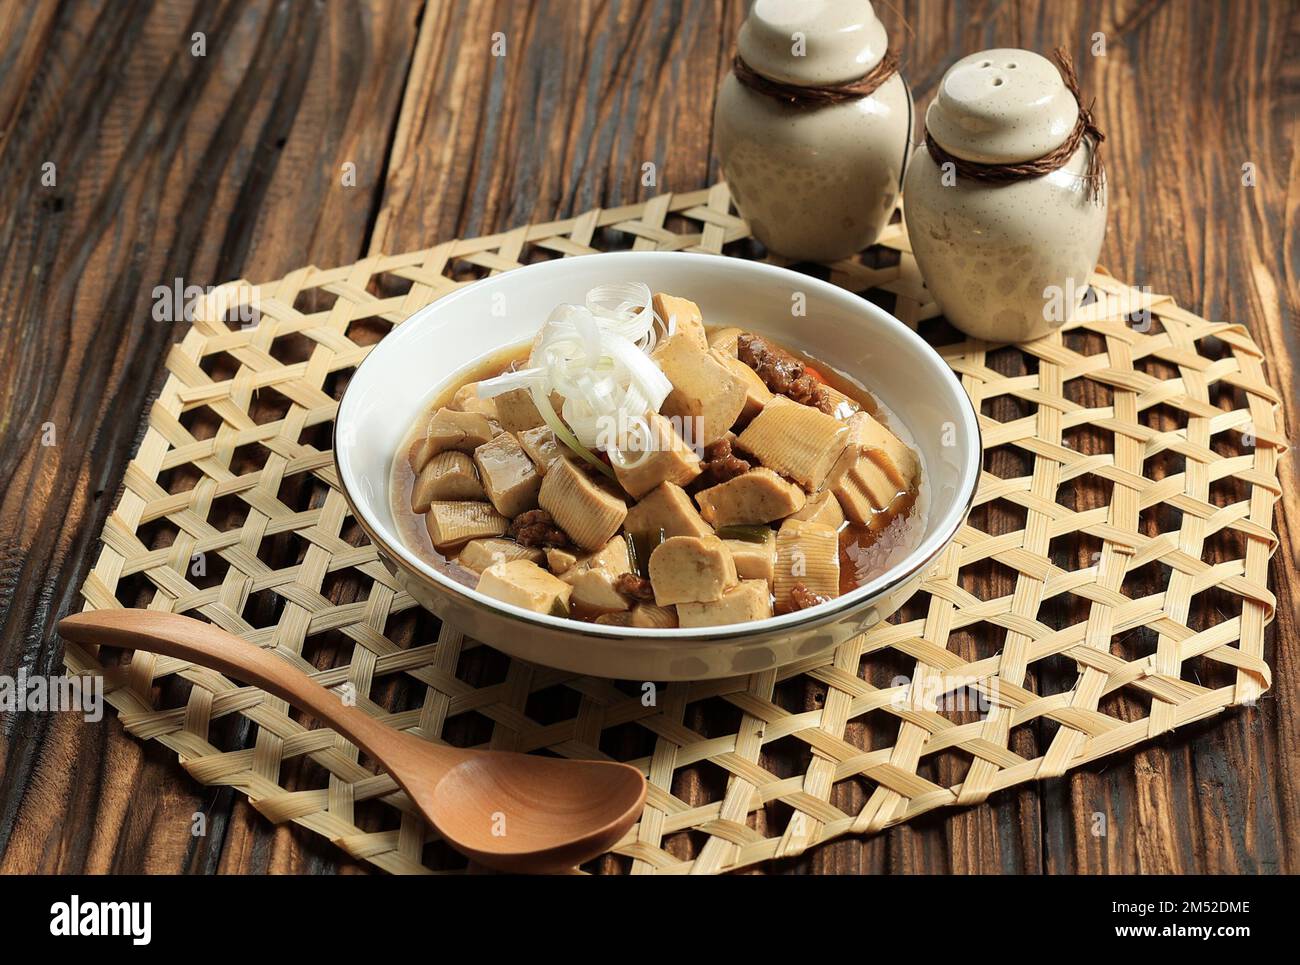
(917, 560)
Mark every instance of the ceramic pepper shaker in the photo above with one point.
(814, 126)
(1005, 201)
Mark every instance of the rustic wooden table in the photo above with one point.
(133, 158)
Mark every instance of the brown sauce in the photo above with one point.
(410, 525)
(866, 551)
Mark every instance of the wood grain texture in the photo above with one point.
(230, 165)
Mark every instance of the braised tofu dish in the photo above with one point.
(637, 467)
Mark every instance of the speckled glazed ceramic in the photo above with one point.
(815, 183)
(1006, 263)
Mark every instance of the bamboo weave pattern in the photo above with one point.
(1112, 582)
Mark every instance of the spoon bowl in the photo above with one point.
(565, 796)
(512, 812)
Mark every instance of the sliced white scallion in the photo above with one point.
(596, 357)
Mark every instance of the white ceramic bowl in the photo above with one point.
(414, 363)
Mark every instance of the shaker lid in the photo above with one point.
(841, 40)
(1002, 106)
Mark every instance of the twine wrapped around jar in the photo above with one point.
(817, 95)
(1056, 158)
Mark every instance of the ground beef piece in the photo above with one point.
(806, 390)
(801, 598)
(781, 372)
(826, 402)
(776, 371)
(536, 528)
(720, 464)
(637, 587)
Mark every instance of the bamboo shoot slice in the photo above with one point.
(724, 340)
(451, 429)
(449, 476)
(797, 441)
(807, 553)
(451, 524)
(588, 514)
(651, 616)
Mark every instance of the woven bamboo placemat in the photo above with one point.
(1112, 583)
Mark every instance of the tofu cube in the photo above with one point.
(527, 585)
(663, 457)
(516, 411)
(822, 508)
(667, 507)
(748, 600)
(558, 560)
(707, 397)
(757, 394)
(509, 476)
(691, 569)
(754, 561)
(541, 445)
(684, 315)
(613, 556)
(479, 554)
(594, 579)
(757, 496)
(467, 399)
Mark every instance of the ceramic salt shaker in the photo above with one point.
(814, 165)
(1006, 260)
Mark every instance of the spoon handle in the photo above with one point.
(174, 635)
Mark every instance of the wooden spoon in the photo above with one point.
(513, 812)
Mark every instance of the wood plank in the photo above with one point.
(586, 94)
(169, 166)
(1183, 223)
